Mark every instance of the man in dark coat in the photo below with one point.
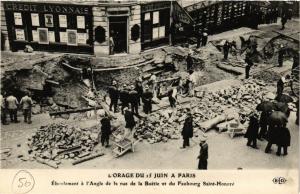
(147, 100)
(139, 89)
(283, 20)
(263, 122)
(124, 98)
(252, 131)
(172, 95)
(129, 119)
(189, 62)
(272, 137)
(199, 37)
(187, 130)
(113, 95)
(105, 130)
(203, 156)
(284, 141)
(134, 100)
(297, 112)
(226, 48)
(280, 56)
(204, 37)
(249, 62)
(280, 85)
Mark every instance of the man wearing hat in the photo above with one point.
(189, 62)
(203, 156)
(252, 131)
(113, 95)
(147, 100)
(105, 130)
(139, 88)
(187, 130)
(124, 98)
(280, 56)
(134, 100)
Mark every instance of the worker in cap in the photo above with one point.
(113, 95)
(124, 98)
(147, 100)
(203, 155)
(252, 130)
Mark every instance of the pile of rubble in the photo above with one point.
(167, 124)
(56, 142)
(267, 76)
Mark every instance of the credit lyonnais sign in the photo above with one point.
(47, 8)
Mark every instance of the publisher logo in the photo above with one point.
(279, 180)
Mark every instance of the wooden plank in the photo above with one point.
(73, 111)
(87, 158)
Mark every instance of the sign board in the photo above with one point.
(18, 19)
(80, 22)
(20, 35)
(62, 21)
(72, 37)
(43, 35)
(35, 20)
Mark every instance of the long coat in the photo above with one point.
(187, 130)
(130, 122)
(252, 131)
(284, 137)
(105, 127)
(203, 156)
(273, 134)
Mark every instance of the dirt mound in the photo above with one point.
(267, 76)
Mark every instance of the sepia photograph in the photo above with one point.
(174, 85)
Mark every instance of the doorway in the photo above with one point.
(118, 32)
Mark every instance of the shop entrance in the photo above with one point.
(118, 32)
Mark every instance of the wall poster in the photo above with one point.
(51, 35)
(80, 22)
(35, 35)
(35, 20)
(62, 21)
(72, 37)
(43, 35)
(18, 19)
(49, 20)
(81, 38)
(20, 35)
(63, 37)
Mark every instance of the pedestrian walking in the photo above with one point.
(12, 105)
(147, 100)
(105, 130)
(187, 130)
(3, 109)
(114, 96)
(226, 48)
(124, 98)
(26, 104)
(134, 100)
(203, 156)
(129, 119)
(252, 131)
(284, 141)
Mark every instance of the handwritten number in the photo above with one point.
(22, 183)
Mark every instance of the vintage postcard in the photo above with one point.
(149, 97)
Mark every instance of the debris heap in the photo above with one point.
(56, 142)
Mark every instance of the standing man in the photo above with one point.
(124, 98)
(172, 95)
(111, 44)
(204, 37)
(226, 48)
(249, 62)
(263, 123)
(134, 100)
(153, 83)
(187, 130)
(280, 56)
(280, 85)
(113, 95)
(203, 156)
(139, 89)
(105, 130)
(26, 103)
(284, 18)
(189, 62)
(129, 119)
(252, 131)
(12, 105)
(3, 109)
(147, 100)
(199, 37)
